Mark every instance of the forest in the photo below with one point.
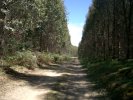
(39, 62)
(38, 25)
(31, 28)
(106, 49)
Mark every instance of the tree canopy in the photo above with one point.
(108, 31)
(33, 24)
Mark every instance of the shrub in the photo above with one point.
(3, 62)
(48, 58)
(45, 58)
(32, 59)
(114, 76)
(25, 58)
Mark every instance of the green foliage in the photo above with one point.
(3, 62)
(114, 76)
(25, 58)
(106, 46)
(32, 59)
(73, 51)
(39, 25)
(107, 33)
(48, 58)
(45, 58)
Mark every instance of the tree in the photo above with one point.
(34, 24)
(108, 31)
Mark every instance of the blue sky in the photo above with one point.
(77, 11)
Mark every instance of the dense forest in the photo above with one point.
(35, 44)
(37, 25)
(108, 42)
(108, 31)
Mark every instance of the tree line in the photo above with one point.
(108, 31)
(39, 25)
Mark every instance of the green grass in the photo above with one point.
(116, 77)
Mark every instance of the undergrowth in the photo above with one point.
(116, 77)
(31, 59)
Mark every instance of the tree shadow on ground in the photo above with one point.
(67, 68)
(71, 85)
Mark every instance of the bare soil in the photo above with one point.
(55, 82)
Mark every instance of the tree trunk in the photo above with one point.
(129, 28)
(2, 18)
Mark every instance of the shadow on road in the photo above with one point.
(72, 84)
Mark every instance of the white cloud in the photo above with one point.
(75, 31)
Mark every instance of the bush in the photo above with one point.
(25, 58)
(61, 58)
(32, 59)
(44, 58)
(48, 58)
(3, 62)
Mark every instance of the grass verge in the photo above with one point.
(115, 77)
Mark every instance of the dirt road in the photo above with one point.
(57, 82)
